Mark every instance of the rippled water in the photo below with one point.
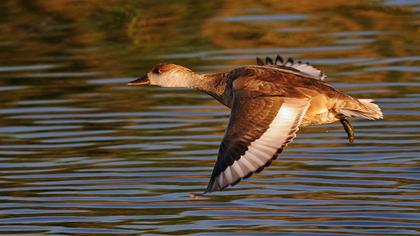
(83, 154)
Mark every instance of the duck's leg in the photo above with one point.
(348, 128)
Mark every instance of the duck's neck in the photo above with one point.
(214, 85)
(206, 82)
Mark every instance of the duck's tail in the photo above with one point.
(364, 108)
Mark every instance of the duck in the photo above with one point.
(269, 102)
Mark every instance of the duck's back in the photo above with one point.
(274, 81)
(326, 103)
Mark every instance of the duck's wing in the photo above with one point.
(293, 66)
(259, 128)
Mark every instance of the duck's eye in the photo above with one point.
(156, 70)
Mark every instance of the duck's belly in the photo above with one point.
(319, 119)
(320, 111)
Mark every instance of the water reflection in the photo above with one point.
(81, 153)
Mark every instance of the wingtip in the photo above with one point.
(260, 61)
(279, 60)
(268, 61)
(211, 187)
(196, 195)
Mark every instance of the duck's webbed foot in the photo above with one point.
(348, 128)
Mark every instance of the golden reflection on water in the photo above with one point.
(81, 153)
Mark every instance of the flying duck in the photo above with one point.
(269, 102)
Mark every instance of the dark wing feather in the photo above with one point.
(260, 61)
(293, 66)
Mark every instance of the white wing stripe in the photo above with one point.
(238, 169)
(235, 175)
(249, 165)
(228, 175)
(254, 156)
(266, 147)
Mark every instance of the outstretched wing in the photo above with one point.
(259, 128)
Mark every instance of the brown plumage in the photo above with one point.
(269, 102)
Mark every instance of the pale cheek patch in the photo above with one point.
(172, 79)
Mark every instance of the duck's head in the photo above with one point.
(166, 75)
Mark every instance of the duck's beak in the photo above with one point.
(140, 81)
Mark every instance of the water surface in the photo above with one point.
(83, 154)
